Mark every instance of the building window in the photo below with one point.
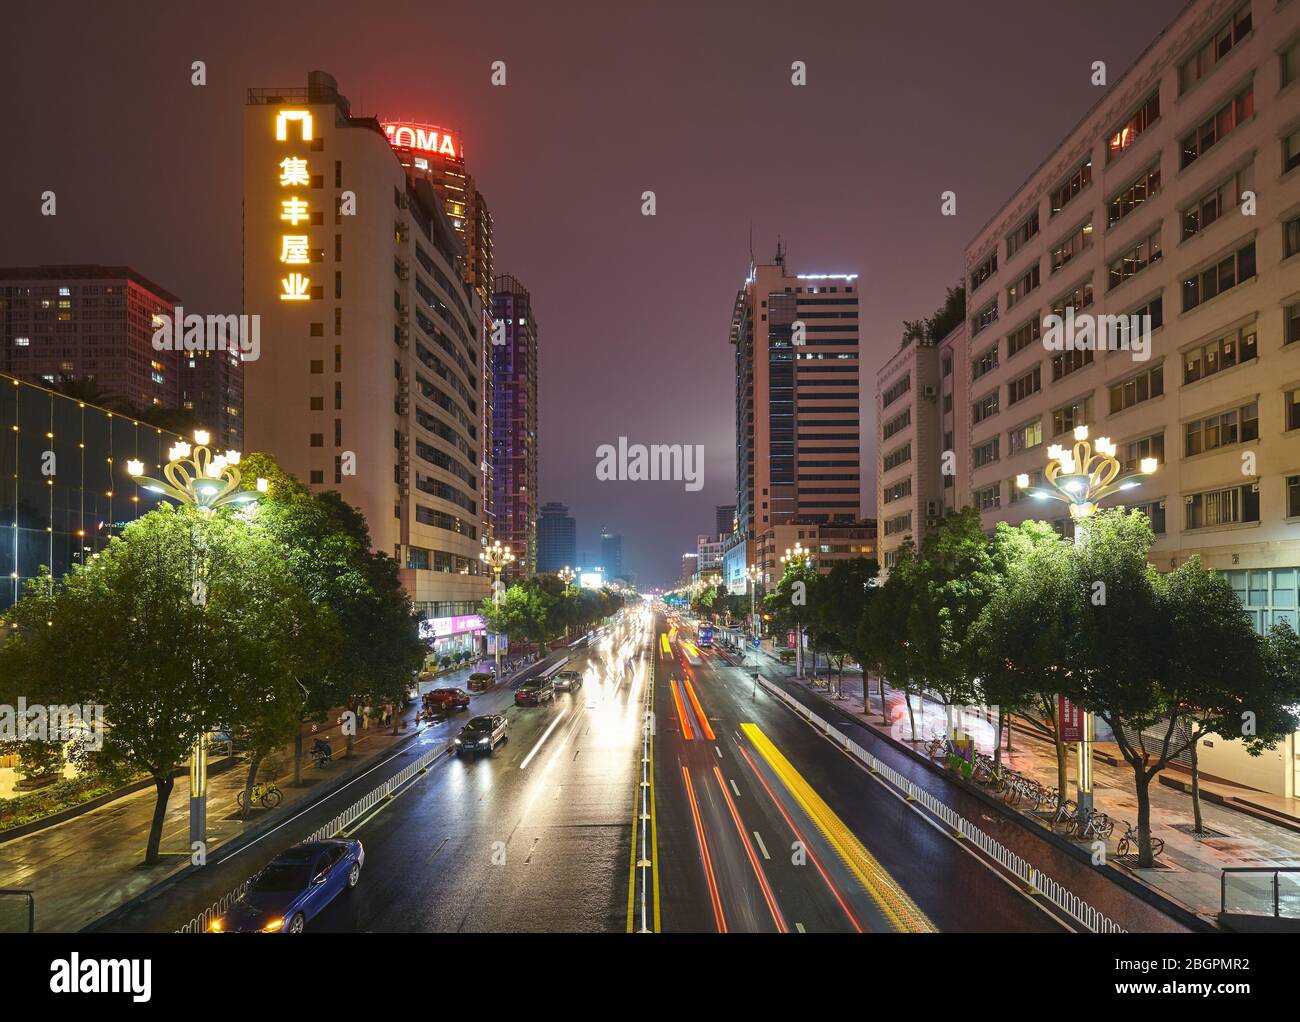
(899, 523)
(1076, 244)
(1293, 496)
(898, 457)
(989, 497)
(1147, 114)
(318, 439)
(1077, 298)
(317, 477)
(1155, 512)
(896, 391)
(1219, 354)
(1134, 451)
(1023, 336)
(1223, 275)
(985, 363)
(1238, 426)
(1291, 237)
(985, 453)
(1027, 283)
(898, 422)
(1073, 185)
(1205, 59)
(1217, 127)
(1211, 206)
(1025, 437)
(1230, 506)
(984, 270)
(1291, 324)
(1146, 186)
(1137, 389)
(898, 490)
(1017, 239)
(1291, 151)
(1292, 409)
(1134, 261)
(1068, 418)
(984, 317)
(1015, 494)
(984, 407)
(1066, 362)
(1022, 386)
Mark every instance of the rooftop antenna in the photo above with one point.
(780, 253)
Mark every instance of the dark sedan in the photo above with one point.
(482, 734)
(296, 886)
(534, 693)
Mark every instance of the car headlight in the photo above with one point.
(457, 741)
(273, 925)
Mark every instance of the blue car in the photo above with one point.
(296, 886)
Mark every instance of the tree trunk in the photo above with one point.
(1062, 782)
(163, 789)
(997, 740)
(1196, 790)
(1145, 859)
(884, 709)
(840, 684)
(297, 757)
(397, 716)
(911, 714)
(1010, 728)
(253, 764)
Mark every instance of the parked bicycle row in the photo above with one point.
(1055, 810)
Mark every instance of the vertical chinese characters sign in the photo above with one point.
(295, 249)
(1069, 720)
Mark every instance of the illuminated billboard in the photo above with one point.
(425, 138)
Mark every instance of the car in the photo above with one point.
(294, 888)
(568, 681)
(535, 692)
(482, 734)
(446, 700)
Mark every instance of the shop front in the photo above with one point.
(449, 636)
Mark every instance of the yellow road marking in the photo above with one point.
(896, 905)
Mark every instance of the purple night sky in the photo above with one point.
(603, 102)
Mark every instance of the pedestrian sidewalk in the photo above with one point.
(1190, 869)
(87, 866)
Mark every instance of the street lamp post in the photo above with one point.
(497, 557)
(196, 477)
(753, 573)
(799, 557)
(1081, 478)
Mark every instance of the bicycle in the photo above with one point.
(268, 795)
(1098, 825)
(1067, 812)
(1129, 843)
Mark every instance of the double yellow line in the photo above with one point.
(894, 903)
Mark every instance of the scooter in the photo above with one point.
(321, 752)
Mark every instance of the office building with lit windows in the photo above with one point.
(92, 323)
(1176, 197)
(798, 435)
(514, 425)
(557, 538)
(371, 375)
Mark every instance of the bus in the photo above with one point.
(706, 636)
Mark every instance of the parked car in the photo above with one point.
(535, 692)
(568, 681)
(446, 700)
(295, 887)
(482, 734)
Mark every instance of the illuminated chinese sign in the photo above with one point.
(425, 137)
(295, 250)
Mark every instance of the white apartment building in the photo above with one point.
(1177, 197)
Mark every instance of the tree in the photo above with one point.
(884, 635)
(520, 613)
(1021, 637)
(128, 630)
(789, 603)
(842, 598)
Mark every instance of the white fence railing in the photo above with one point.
(340, 823)
(1034, 879)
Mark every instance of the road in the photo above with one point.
(764, 826)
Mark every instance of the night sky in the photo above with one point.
(604, 101)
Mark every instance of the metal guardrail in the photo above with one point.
(1074, 906)
(1249, 899)
(340, 823)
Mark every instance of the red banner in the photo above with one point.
(1069, 718)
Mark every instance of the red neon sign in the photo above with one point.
(427, 138)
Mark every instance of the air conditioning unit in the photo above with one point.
(932, 509)
(930, 391)
(932, 523)
(404, 272)
(404, 310)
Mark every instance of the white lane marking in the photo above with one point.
(761, 847)
(541, 741)
(735, 789)
(718, 751)
(799, 927)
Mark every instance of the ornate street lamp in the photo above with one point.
(754, 575)
(1082, 478)
(800, 557)
(567, 575)
(200, 479)
(497, 557)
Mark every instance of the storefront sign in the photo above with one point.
(427, 138)
(438, 627)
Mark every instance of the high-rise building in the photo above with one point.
(611, 553)
(97, 322)
(1175, 198)
(725, 519)
(557, 538)
(709, 549)
(212, 390)
(514, 424)
(62, 519)
(373, 383)
(798, 437)
(827, 544)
